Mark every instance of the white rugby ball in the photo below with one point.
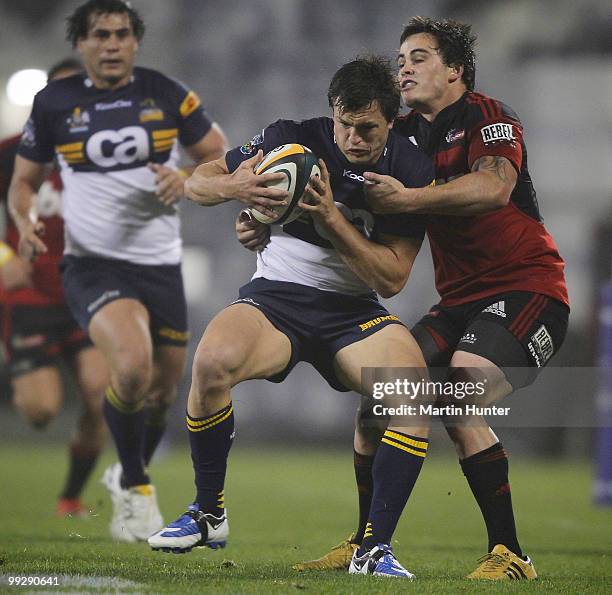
(298, 163)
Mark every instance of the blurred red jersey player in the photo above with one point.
(39, 331)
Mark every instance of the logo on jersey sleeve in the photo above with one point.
(189, 104)
(28, 136)
(109, 148)
(251, 146)
(497, 132)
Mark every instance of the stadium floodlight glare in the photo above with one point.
(24, 84)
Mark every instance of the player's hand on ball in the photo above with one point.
(252, 190)
(30, 243)
(385, 194)
(169, 183)
(318, 199)
(252, 234)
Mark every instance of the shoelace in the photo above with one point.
(492, 562)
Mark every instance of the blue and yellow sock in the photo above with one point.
(396, 467)
(211, 439)
(126, 424)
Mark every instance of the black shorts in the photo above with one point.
(39, 336)
(318, 323)
(91, 283)
(518, 331)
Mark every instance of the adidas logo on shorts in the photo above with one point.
(498, 308)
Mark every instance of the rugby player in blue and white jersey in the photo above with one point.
(313, 298)
(113, 131)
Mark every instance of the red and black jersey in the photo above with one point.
(506, 250)
(47, 285)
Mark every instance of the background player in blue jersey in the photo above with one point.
(113, 131)
(313, 299)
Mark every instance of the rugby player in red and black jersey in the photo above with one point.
(39, 331)
(504, 307)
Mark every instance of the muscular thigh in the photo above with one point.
(246, 343)
(391, 347)
(121, 331)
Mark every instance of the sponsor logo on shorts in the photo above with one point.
(498, 308)
(376, 321)
(105, 297)
(245, 301)
(497, 132)
(468, 338)
(21, 342)
(541, 346)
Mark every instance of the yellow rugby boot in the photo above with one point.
(338, 558)
(502, 565)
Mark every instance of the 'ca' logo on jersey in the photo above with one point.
(109, 148)
(497, 132)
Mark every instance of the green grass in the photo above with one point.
(287, 506)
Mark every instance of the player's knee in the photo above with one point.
(211, 371)
(39, 416)
(133, 377)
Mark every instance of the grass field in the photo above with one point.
(289, 506)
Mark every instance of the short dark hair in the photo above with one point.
(78, 21)
(456, 43)
(362, 81)
(65, 64)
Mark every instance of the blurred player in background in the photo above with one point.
(113, 130)
(312, 299)
(504, 306)
(39, 331)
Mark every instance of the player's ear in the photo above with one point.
(455, 72)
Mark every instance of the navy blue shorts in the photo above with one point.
(318, 323)
(91, 283)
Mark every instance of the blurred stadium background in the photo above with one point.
(253, 62)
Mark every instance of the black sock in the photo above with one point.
(82, 463)
(126, 424)
(487, 475)
(363, 476)
(397, 465)
(211, 439)
(152, 437)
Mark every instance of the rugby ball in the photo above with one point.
(298, 163)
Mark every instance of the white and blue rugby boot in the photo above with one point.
(379, 561)
(192, 529)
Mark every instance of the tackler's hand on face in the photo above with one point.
(252, 234)
(169, 183)
(318, 198)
